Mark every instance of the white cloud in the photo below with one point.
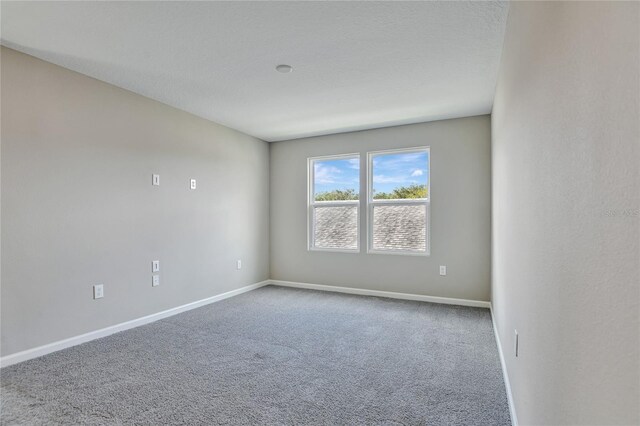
(326, 174)
(332, 175)
(417, 172)
(388, 179)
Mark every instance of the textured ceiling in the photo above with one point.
(357, 65)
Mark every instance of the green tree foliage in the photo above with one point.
(337, 195)
(400, 193)
(403, 192)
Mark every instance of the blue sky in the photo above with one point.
(389, 171)
(337, 174)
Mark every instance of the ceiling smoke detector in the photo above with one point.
(284, 68)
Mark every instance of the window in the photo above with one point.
(398, 201)
(334, 206)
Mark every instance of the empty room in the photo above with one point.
(320, 213)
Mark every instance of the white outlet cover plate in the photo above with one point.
(155, 281)
(443, 270)
(193, 184)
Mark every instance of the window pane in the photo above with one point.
(336, 227)
(336, 179)
(401, 176)
(400, 227)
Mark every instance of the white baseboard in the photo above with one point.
(507, 383)
(17, 357)
(380, 293)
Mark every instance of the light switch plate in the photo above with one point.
(155, 180)
(193, 184)
(155, 281)
(238, 264)
(155, 266)
(98, 291)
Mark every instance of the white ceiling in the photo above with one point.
(357, 65)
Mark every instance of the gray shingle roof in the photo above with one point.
(399, 227)
(395, 227)
(336, 227)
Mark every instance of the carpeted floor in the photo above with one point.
(274, 356)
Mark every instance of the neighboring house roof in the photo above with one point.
(399, 227)
(395, 227)
(336, 227)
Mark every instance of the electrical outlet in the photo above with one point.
(443, 270)
(239, 264)
(515, 348)
(193, 184)
(155, 180)
(98, 291)
(155, 266)
(155, 281)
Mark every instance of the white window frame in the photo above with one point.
(312, 203)
(371, 203)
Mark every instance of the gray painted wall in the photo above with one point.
(78, 207)
(460, 213)
(566, 211)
